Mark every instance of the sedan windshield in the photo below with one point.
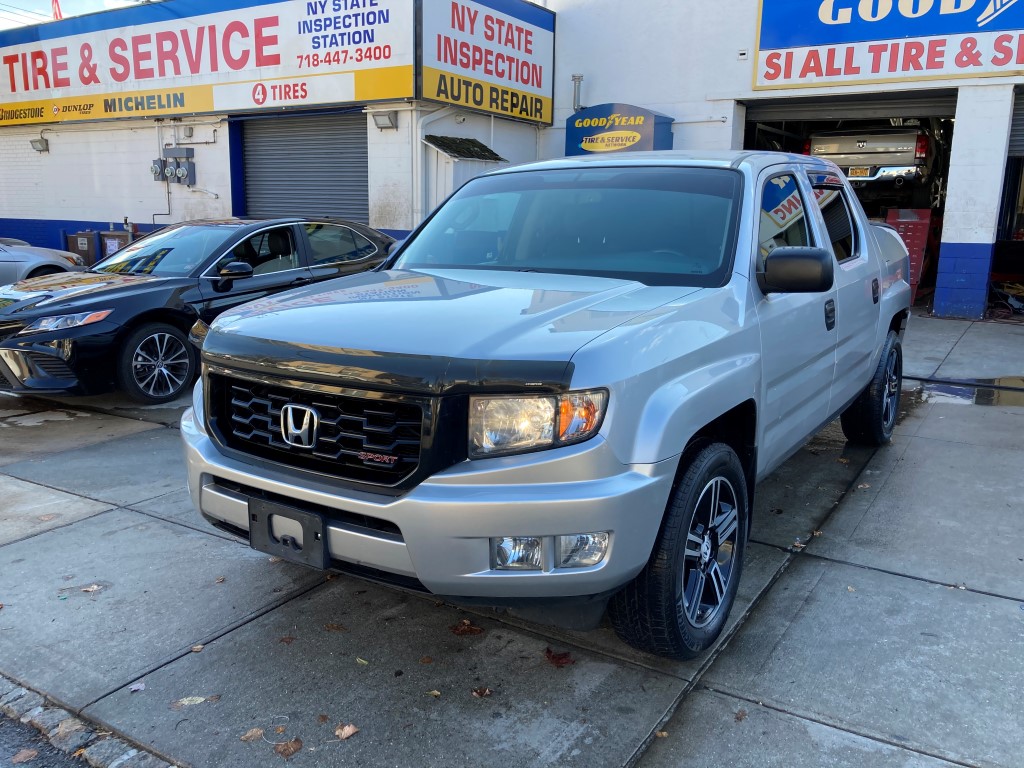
(658, 225)
(171, 252)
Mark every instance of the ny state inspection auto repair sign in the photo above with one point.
(808, 43)
(193, 56)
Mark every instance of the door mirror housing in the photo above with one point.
(235, 270)
(797, 269)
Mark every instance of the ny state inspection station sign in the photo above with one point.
(814, 43)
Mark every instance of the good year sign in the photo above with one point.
(807, 43)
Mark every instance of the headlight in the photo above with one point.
(503, 425)
(77, 261)
(61, 322)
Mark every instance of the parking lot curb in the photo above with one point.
(71, 734)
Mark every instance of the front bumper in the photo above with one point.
(78, 361)
(445, 523)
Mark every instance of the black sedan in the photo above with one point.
(124, 323)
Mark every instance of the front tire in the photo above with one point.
(679, 603)
(157, 364)
(871, 418)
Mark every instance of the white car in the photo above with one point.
(18, 262)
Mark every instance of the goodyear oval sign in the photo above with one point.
(617, 128)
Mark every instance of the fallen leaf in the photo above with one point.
(275, 559)
(78, 752)
(24, 756)
(322, 719)
(863, 486)
(661, 734)
(46, 518)
(344, 732)
(289, 748)
(281, 729)
(220, 580)
(426, 660)
(798, 545)
(92, 588)
(253, 734)
(815, 533)
(361, 662)
(197, 648)
(466, 627)
(188, 701)
(850, 589)
(559, 659)
(741, 715)
(482, 693)
(842, 460)
(435, 694)
(335, 628)
(287, 640)
(136, 687)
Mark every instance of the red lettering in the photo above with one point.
(232, 29)
(58, 66)
(1004, 51)
(831, 70)
(10, 61)
(39, 70)
(876, 52)
(812, 65)
(140, 56)
(167, 53)
(265, 58)
(936, 54)
(122, 68)
(849, 67)
(772, 69)
(912, 54)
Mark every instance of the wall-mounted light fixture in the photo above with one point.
(40, 144)
(385, 120)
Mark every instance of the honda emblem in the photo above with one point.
(299, 424)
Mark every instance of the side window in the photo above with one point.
(266, 252)
(332, 243)
(839, 223)
(783, 217)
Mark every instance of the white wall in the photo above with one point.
(100, 172)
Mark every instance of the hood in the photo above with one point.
(43, 253)
(71, 290)
(432, 329)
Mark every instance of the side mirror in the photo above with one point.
(796, 269)
(235, 270)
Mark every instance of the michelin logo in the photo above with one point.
(832, 12)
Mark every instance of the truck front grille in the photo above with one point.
(371, 438)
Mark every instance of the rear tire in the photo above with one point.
(679, 603)
(157, 364)
(871, 418)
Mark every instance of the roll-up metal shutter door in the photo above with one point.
(1017, 126)
(307, 166)
(846, 108)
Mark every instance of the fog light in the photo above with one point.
(582, 550)
(516, 553)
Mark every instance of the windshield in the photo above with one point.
(658, 225)
(172, 252)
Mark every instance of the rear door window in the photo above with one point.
(334, 243)
(838, 223)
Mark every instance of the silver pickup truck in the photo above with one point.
(559, 394)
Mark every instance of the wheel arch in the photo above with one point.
(180, 319)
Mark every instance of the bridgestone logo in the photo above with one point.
(21, 114)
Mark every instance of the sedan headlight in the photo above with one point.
(504, 425)
(62, 322)
(76, 261)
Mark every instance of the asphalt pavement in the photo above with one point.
(880, 619)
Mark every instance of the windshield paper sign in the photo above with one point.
(616, 128)
(807, 43)
(191, 56)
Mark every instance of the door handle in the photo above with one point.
(874, 290)
(830, 314)
(301, 281)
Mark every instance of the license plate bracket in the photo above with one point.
(266, 516)
(859, 172)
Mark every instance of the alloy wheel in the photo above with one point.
(709, 560)
(160, 365)
(891, 395)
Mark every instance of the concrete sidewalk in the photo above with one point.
(879, 621)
